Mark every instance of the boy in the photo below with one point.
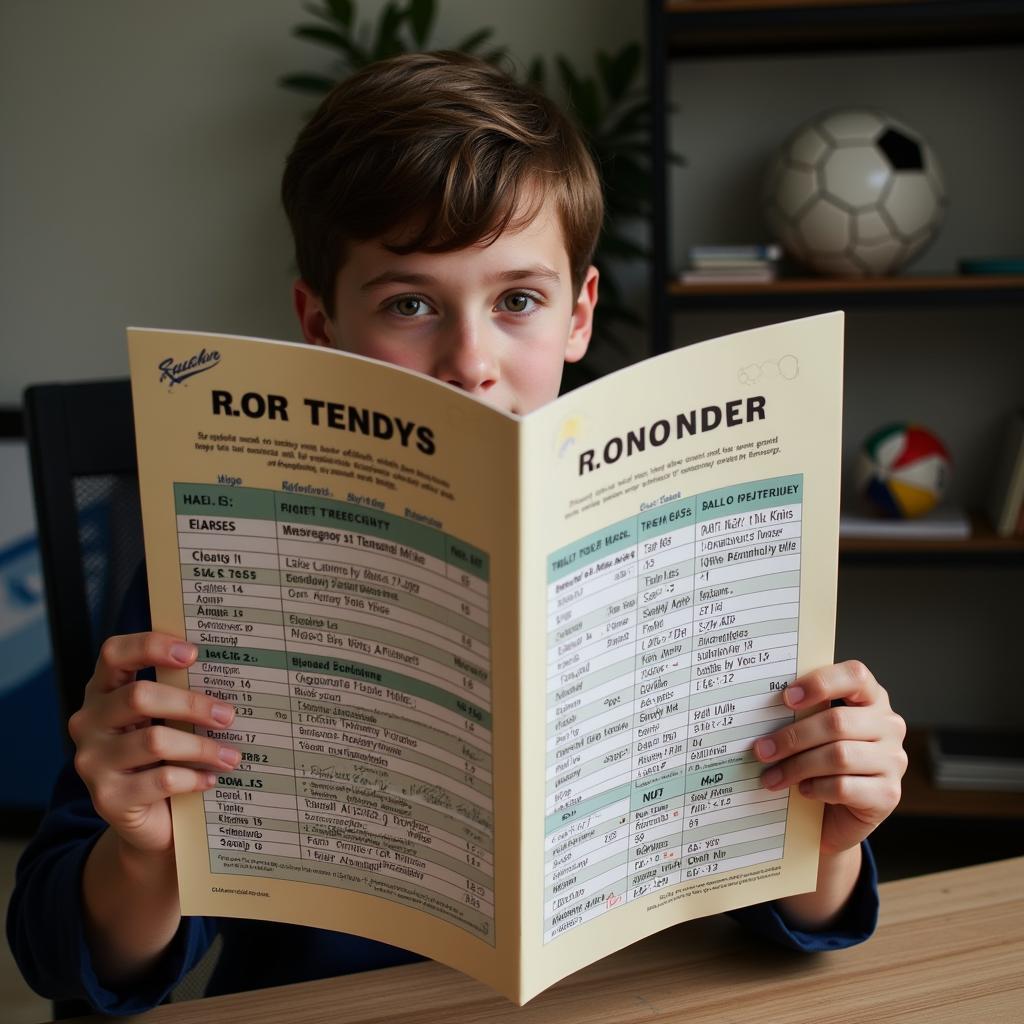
(444, 219)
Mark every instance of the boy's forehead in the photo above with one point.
(534, 248)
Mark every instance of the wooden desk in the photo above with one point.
(949, 948)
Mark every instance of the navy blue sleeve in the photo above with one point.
(45, 921)
(857, 923)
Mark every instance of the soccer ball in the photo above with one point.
(903, 470)
(854, 192)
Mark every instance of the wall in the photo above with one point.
(142, 153)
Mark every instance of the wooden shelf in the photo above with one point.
(922, 799)
(984, 545)
(716, 27)
(692, 6)
(897, 288)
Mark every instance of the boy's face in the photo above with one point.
(498, 321)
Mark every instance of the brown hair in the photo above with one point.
(441, 144)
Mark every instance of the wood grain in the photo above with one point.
(949, 949)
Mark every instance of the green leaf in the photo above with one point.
(307, 83)
(582, 94)
(618, 72)
(626, 176)
(622, 206)
(634, 118)
(316, 34)
(320, 12)
(535, 73)
(570, 80)
(641, 147)
(421, 17)
(356, 55)
(493, 56)
(388, 44)
(342, 11)
(472, 41)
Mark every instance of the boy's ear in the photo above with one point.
(582, 323)
(317, 328)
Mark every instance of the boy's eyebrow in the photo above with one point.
(407, 277)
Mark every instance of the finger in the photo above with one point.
(826, 726)
(156, 743)
(874, 794)
(154, 784)
(850, 681)
(145, 699)
(845, 757)
(122, 656)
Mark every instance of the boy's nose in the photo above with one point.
(468, 359)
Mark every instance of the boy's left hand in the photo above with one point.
(851, 757)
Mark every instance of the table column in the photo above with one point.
(592, 614)
(387, 625)
(664, 652)
(232, 603)
(747, 594)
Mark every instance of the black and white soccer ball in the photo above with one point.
(854, 192)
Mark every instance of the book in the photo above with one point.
(496, 677)
(730, 264)
(979, 759)
(755, 275)
(943, 523)
(771, 251)
(1006, 497)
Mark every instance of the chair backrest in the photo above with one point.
(85, 477)
(82, 448)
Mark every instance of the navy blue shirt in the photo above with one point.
(45, 926)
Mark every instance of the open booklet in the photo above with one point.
(496, 677)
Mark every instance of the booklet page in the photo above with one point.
(679, 561)
(338, 538)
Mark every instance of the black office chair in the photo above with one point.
(82, 448)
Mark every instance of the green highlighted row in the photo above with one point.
(601, 547)
(216, 501)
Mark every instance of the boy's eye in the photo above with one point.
(409, 306)
(517, 302)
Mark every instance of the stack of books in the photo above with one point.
(1006, 499)
(977, 759)
(728, 264)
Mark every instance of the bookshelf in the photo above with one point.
(903, 289)
(680, 29)
(706, 27)
(705, 30)
(984, 546)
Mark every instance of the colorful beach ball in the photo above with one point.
(903, 470)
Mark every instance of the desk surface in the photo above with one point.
(949, 948)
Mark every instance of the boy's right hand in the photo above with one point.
(130, 765)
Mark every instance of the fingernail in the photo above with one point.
(765, 748)
(793, 694)
(183, 653)
(805, 787)
(222, 713)
(228, 756)
(772, 777)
